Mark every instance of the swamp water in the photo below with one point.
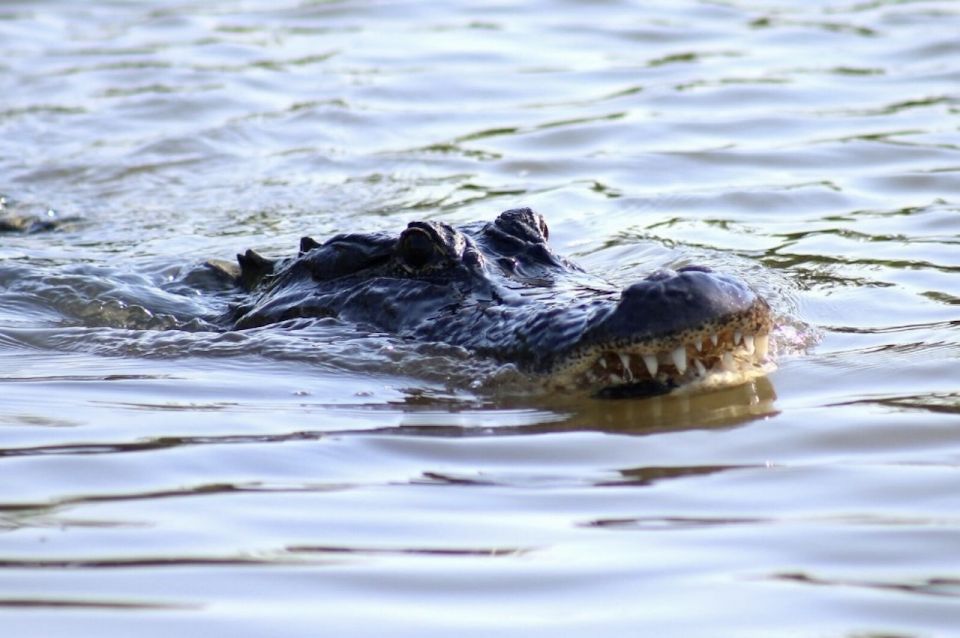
(326, 481)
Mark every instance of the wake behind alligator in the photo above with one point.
(497, 289)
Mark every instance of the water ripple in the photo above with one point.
(811, 148)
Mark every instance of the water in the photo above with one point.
(327, 481)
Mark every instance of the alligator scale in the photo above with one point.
(498, 289)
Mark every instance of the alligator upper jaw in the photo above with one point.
(717, 354)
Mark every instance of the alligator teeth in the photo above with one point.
(679, 357)
(701, 370)
(739, 352)
(625, 360)
(650, 361)
(763, 345)
(727, 360)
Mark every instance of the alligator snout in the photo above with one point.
(671, 301)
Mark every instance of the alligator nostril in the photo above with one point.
(661, 274)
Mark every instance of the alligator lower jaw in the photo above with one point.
(706, 361)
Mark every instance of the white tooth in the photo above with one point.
(736, 337)
(615, 379)
(714, 338)
(702, 371)
(625, 360)
(763, 344)
(650, 360)
(728, 361)
(698, 344)
(679, 357)
(603, 362)
(748, 343)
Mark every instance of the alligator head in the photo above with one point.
(499, 290)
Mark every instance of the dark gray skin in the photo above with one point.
(499, 290)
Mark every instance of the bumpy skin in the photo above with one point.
(498, 289)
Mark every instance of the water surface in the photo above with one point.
(324, 480)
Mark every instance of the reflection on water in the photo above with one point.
(161, 477)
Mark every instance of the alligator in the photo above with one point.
(499, 290)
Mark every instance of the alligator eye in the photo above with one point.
(543, 227)
(472, 258)
(416, 247)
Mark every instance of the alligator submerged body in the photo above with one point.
(498, 289)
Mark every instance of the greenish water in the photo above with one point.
(308, 482)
